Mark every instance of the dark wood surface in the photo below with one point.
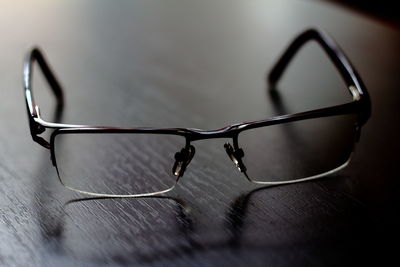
(200, 64)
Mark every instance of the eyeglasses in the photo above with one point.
(149, 161)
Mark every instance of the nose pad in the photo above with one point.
(236, 156)
(182, 160)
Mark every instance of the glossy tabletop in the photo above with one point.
(203, 65)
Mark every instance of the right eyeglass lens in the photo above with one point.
(296, 150)
(117, 163)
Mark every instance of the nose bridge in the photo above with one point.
(208, 146)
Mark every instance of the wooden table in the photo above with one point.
(200, 64)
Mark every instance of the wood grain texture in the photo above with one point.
(195, 64)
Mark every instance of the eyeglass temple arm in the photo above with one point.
(341, 62)
(35, 55)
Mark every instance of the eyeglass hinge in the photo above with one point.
(37, 129)
(355, 93)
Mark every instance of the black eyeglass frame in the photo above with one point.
(361, 105)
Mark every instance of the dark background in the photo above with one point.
(199, 64)
(385, 10)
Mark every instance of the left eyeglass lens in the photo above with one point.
(117, 164)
